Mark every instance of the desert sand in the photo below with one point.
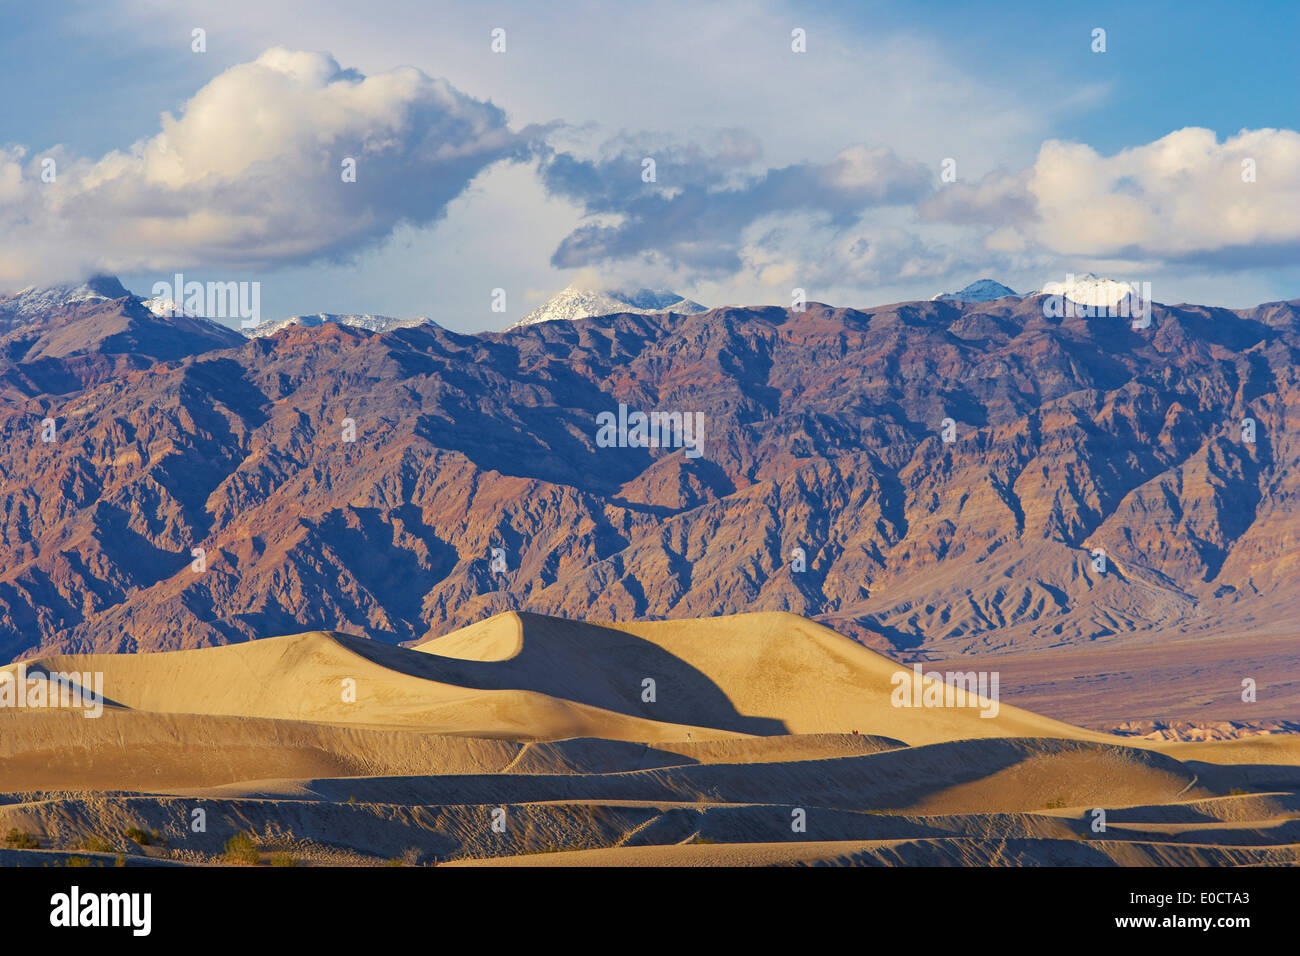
(524, 739)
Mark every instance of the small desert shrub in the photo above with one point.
(17, 840)
(96, 844)
(1237, 792)
(77, 861)
(241, 849)
(283, 859)
(704, 840)
(138, 835)
(410, 857)
(120, 861)
(1056, 804)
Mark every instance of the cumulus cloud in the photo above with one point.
(694, 215)
(1185, 198)
(999, 198)
(785, 252)
(248, 176)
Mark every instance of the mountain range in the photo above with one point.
(371, 323)
(201, 487)
(574, 303)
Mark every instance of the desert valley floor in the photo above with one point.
(525, 739)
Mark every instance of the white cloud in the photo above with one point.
(672, 65)
(1182, 198)
(721, 76)
(700, 226)
(811, 253)
(713, 91)
(248, 175)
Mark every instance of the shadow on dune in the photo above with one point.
(1253, 778)
(869, 782)
(588, 664)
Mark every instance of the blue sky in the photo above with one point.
(1170, 65)
(775, 170)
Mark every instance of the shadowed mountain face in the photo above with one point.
(822, 432)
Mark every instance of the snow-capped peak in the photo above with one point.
(32, 302)
(573, 303)
(981, 290)
(165, 308)
(372, 323)
(1089, 289)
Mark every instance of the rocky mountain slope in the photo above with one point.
(338, 479)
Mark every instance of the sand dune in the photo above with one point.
(529, 677)
(764, 674)
(769, 739)
(333, 678)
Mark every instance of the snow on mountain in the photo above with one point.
(1089, 289)
(371, 323)
(164, 307)
(981, 290)
(574, 303)
(33, 302)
